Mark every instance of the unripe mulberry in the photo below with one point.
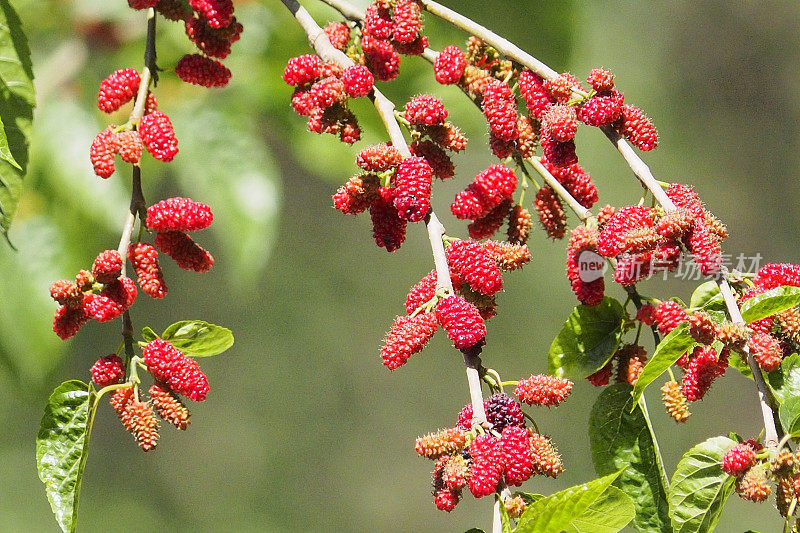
(119, 400)
(108, 370)
(378, 158)
(358, 81)
(508, 256)
(425, 110)
(487, 465)
(118, 89)
(381, 58)
(302, 70)
(388, 229)
(486, 226)
(516, 450)
(107, 266)
(101, 152)
(515, 506)
(602, 109)
(169, 406)
(560, 122)
(139, 419)
(456, 472)
(702, 328)
(738, 459)
(527, 137)
(144, 258)
(500, 109)
(560, 87)
(519, 225)
(68, 320)
(470, 261)
(407, 336)
(436, 157)
(178, 214)
(462, 322)
(753, 484)
(406, 21)
(776, 274)
(669, 315)
(449, 65)
(130, 146)
(637, 128)
(631, 359)
(551, 213)
(443, 442)
(788, 324)
(66, 293)
(412, 195)
(546, 459)
(447, 136)
(187, 254)
(219, 13)
(674, 401)
(338, 34)
(600, 79)
(541, 389)
(180, 373)
(356, 194)
(766, 349)
(158, 136)
(733, 336)
(531, 87)
(446, 499)
(201, 70)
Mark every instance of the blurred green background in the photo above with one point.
(304, 429)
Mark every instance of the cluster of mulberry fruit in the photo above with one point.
(173, 374)
(391, 28)
(475, 272)
(101, 294)
(757, 470)
(503, 451)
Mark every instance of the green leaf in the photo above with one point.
(148, 334)
(612, 511)
(530, 497)
(770, 302)
(62, 448)
(737, 361)
(577, 507)
(786, 383)
(197, 338)
(505, 520)
(789, 415)
(699, 487)
(707, 295)
(587, 340)
(475, 530)
(621, 438)
(667, 352)
(16, 111)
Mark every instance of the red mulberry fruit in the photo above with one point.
(516, 450)
(68, 320)
(130, 146)
(338, 34)
(532, 89)
(425, 110)
(118, 89)
(406, 337)
(158, 136)
(738, 459)
(378, 158)
(388, 229)
(487, 190)
(302, 70)
(178, 214)
(500, 108)
(449, 65)
(560, 121)
(551, 213)
(108, 370)
(543, 390)
(102, 151)
(637, 128)
(203, 71)
(219, 13)
(412, 195)
(462, 322)
(107, 266)
(180, 373)
(406, 24)
(184, 251)
(144, 258)
(600, 80)
(669, 315)
(487, 465)
(470, 261)
(766, 349)
(66, 293)
(358, 81)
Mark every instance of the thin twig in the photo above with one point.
(348, 10)
(322, 46)
(583, 213)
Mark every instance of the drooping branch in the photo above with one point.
(322, 46)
